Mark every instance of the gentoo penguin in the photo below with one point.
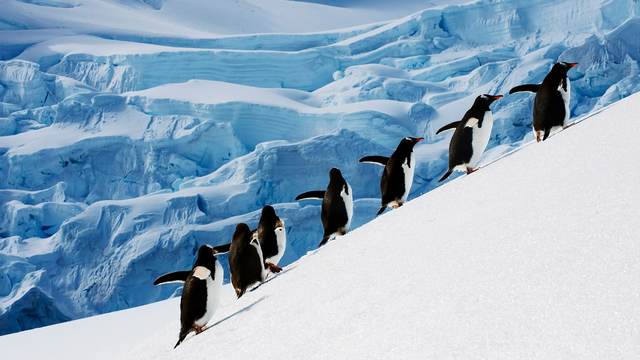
(272, 235)
(397, 176)
(337, 205)
(551, 105)
(201, 291)
(246, 261)
(471, 135)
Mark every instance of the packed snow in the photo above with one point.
(532, 257)
(130, 138)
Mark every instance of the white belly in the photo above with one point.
(408, 176)
(281, 239)
(256, 244)
(214, 289)
(348, 204)
(480, 138)
(566, 98)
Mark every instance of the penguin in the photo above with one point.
(246, 260)
(397, 176)
(201, 291)
(337, 206)
(551, 105)
(272, 236)
(471, 135)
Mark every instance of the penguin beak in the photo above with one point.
(419, 139)
(572, 65)
(496, 97)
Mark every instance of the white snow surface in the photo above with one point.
(533, 257)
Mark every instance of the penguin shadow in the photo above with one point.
(237, 312)
(289, 268)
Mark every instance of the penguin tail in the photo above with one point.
(183, 334)
(446, 175)
(382, 209)
(325, 239)
(547, 131)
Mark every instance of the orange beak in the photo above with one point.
(497, 97)
(572, 65)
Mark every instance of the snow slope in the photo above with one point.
(532, 257)
(123, 149)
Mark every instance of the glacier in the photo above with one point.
(121, 152)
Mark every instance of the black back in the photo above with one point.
(244, 260)
(266, 231)
(334, 212)
(461, 147)
(193, 303)
(548, 107)
(392, 182)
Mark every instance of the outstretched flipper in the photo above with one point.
(547, 131)
(446, 175)
(525, 87)
(221, 249)
(375, 159)
(177, 276)
(317, 194)
(381, 210)
(453, 125)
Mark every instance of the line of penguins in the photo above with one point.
(255, 254)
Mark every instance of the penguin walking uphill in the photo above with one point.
(471, 135)
(551, 105)
(397, 176)
(201, 291)
(337, 205)
(271, 234)
(246, 260)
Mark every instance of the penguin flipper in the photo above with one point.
(446, 175)
(525, 87)
(453, 125)
(176, 276)
(316, 194)
(547, 131)
(375, 159)
(381, 210)
(221, 249)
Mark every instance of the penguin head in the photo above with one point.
(336, 179)
(483, 101)
(407, 143)
(268, 214)
(242, 234)
(561, 68)
(205, 257)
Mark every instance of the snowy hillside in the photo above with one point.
(126, 144)
(533, 257)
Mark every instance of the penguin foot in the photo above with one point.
(471, 170)
(239, 292)
(198, 329)
(273, 267)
